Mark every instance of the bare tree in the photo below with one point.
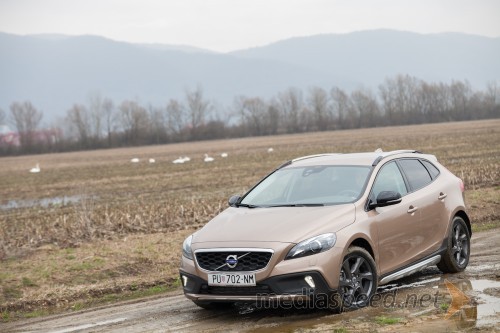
(460, 93)
(365, 105)
(96, 106)
(400, 99)
(253, 114)
(340, 106)
(197, 108)
(290, 104)
(272, 120)
(176, 118)
(135, 122)
(109, 117)
(158, 124)
(433, 102)
(26, 118)
(492, 99)
(318, 102)
(78, 120)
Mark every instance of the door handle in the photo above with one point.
(442, 196)
(412, 210)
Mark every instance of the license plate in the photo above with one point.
(231, 279)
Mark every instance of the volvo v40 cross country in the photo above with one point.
(330, 227)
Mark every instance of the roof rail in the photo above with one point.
(394, 152)
(284, 164)
(313, 156)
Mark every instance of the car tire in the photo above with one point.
(358, 279)
(456, 256)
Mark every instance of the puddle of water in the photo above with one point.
(488, 303)
(45, 202)
(483, 310)
(397, 286)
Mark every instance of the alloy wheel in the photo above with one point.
(460, 248)
(356, 281)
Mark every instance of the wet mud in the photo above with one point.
(428, 301)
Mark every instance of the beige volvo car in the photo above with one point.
(328, 229)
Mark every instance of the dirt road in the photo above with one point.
(422, 303)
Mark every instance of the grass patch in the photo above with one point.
(383, 320)
(28, 283)
(478, 227)
(444, 306)
(36, 313)
(77, 306)
(5, 316)
(11, 292)
(340, 330)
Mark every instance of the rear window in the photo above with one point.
(416, 174)
(431, 168)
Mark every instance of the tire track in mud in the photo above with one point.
(174, 313)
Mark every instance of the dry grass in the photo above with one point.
(153, 206)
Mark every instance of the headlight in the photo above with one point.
(312, 246)
(186, 248)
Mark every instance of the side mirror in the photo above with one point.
(234, 200)
(386, 198)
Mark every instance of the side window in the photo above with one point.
(389, 178)
(416, 173)
(431, 168)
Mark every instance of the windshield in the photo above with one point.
(311, 185)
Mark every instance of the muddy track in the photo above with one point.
(480, 283)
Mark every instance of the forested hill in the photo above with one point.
(54, 72)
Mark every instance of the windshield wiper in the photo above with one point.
(246, 205)
(299, 205)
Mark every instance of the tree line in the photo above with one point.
(100, 123)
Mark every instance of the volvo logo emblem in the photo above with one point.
(232, 260)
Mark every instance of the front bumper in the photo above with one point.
(287, 287)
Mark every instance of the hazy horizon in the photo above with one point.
(196, 48)
(229, 25)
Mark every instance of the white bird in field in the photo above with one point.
(134, 160)
(224, 155)
(180, 160)
(270, 150)
(186, 159)
(152, 160)
(208, 158)
(36, 169)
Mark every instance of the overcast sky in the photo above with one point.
(226, 25)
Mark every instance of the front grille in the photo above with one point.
(236, 291)
(246, 260)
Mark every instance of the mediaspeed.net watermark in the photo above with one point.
(386, 300)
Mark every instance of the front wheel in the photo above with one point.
(456, 257)
(358, 278)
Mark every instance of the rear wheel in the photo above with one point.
(358, 278)
(456, 257)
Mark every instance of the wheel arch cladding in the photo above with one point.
(466, 219)
(363, 243)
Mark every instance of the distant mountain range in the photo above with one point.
(55, 71)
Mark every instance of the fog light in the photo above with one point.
(184, 280)
(310, 281)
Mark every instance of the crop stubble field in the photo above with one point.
(123, 232)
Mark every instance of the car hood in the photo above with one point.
(276, 224)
